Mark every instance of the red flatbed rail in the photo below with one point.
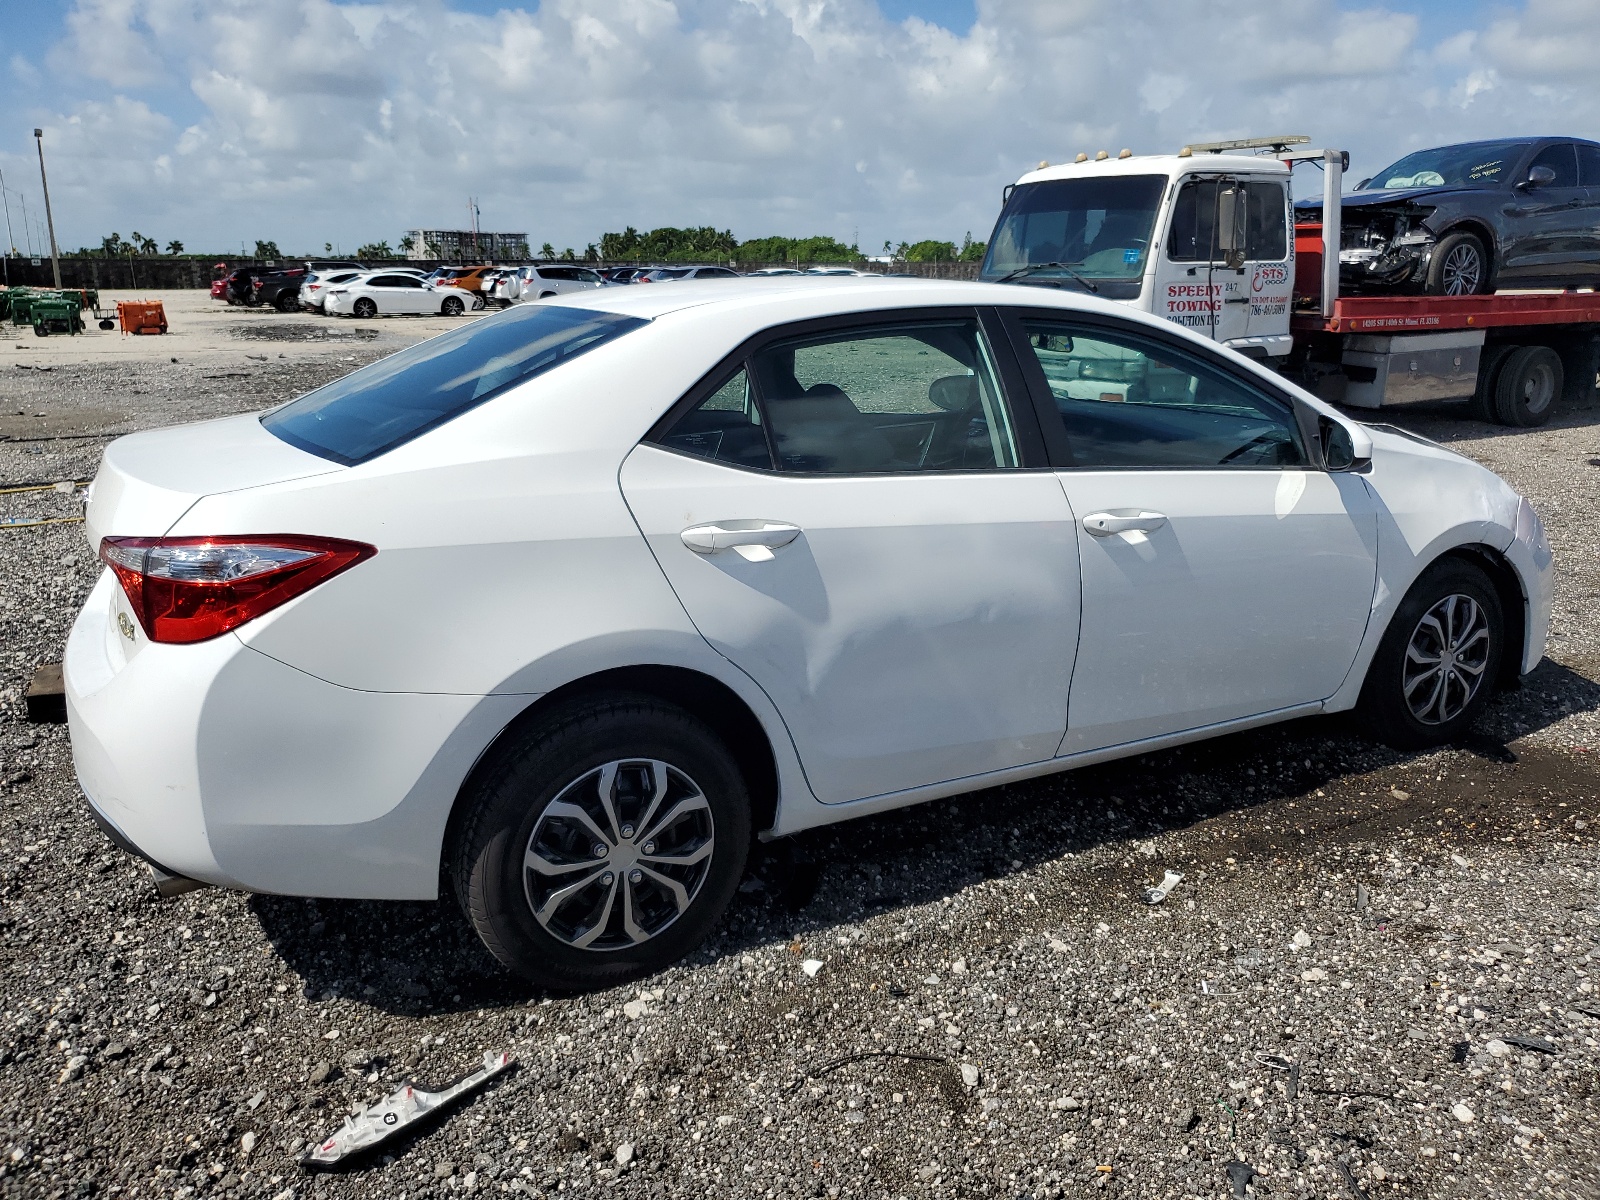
(1425, 314)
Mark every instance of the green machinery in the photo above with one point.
(47, 310)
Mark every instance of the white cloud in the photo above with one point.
(309, 121)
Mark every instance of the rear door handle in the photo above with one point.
(753, 541)
(1104, 524)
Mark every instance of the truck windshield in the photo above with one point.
(1474, 164)
(1098, 228)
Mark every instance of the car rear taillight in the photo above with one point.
(189, 589)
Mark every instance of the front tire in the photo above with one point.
(452, 306)
(603, 843)
(1438, 661)
(1459, 266)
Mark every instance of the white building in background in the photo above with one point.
(465, 245)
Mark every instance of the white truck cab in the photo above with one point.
(1204, 237)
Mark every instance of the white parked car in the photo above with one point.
(395, 293)
(314, 291)
(543, 280)
(568, 604)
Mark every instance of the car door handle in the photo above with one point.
(1237, 300)
(1104, 524)
(751, 540)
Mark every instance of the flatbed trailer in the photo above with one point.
(1510, 356)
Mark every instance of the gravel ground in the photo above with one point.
(1331, 998)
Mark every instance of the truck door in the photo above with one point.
(1269, 264)
(1194, 286)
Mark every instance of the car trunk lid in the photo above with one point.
(148, 480)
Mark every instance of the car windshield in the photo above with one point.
(1098, 227)
(403, 396)
(1474, 164)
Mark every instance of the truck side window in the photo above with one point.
(1267, 236)
(1194, 222)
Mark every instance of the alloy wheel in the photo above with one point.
(619, 854)
(1463, 270)
(1446, 659)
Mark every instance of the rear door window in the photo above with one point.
(403, 396)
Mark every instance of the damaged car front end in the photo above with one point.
(1385, 245)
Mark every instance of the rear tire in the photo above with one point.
(1459, 266)
(287, 304)
(364, 308)
(610, 757)
(1493, 357)
(1438, 660)
(1529, 383)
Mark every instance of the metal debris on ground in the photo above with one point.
(1529, 1042)
(1349, 1178)
(399, 1110)
(1240, 1175)
(1155, 895)
(1278, 1062)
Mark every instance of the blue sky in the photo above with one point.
(316, 121)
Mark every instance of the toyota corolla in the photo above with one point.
(567, 606)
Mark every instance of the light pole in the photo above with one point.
(55, 260)
(11, 245)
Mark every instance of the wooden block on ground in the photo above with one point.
(47, 695)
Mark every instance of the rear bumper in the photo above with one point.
(217, 763)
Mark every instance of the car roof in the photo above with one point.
(783, 298)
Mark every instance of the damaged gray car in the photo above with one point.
(1472, 218)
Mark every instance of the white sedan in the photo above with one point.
(391, 293)
(540, 281)
(568, 605)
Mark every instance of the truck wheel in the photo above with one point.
(603, 843)
(1493, 357)
(1438, 660)
(1529, 382)
(1459, 266)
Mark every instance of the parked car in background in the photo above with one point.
(621, 274)
(280, 289)
(1471, 218)
(238, 285)
(567, 605)
(320, 266)
(388, 293)
(468, 279)
(540, 281)
(315, 288)
(668, 274)
(837, 271)
(777, 271)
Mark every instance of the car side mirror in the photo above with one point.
(1540, 176)
(1341, 449)
(1232, 222)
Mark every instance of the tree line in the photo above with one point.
(666, 244)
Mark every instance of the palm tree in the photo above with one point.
(547, 251)
(174, 247)
(149, 246)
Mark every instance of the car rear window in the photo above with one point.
(379, 407)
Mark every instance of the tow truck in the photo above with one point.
(1207, 238)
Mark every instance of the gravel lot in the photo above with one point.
(1331, 997)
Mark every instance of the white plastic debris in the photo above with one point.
(1155, 895)
(811, 966)
(397, 1111)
